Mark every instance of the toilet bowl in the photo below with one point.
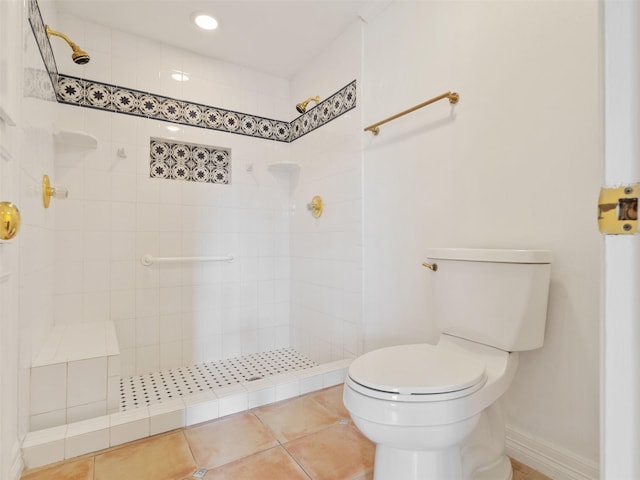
(434, 410)
(421, 422)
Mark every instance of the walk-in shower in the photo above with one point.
(181, 252)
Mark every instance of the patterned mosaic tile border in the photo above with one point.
(42, 40)
(337, 104)
(37, 84)
(103, 96)
(189, 161)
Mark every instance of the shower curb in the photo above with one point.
(56, 444)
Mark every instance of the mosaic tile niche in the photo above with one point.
(189, 161)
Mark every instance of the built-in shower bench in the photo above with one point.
(76, 375)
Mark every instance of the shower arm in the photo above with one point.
(79, 56)
(72, 44)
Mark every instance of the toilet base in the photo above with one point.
(501, 470)
(397, 464)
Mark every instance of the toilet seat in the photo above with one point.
(420, 372)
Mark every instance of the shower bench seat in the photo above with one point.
(76, 375)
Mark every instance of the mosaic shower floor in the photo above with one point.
(156, 387)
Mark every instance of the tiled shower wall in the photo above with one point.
(326, 252)
(170, 314)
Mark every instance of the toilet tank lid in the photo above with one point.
(490, 255)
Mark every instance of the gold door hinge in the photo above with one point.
(618, 210)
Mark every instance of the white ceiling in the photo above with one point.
(273, 36)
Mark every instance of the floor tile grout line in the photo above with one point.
(308, 474)
(193, 456)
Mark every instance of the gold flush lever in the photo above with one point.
(431, 266)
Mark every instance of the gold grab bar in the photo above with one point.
(452, 96)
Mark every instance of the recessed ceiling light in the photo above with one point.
(204, 21)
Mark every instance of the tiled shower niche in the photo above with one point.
(189, 161)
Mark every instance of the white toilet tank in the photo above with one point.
(494, 297)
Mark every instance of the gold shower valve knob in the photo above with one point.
(618, 210)
(9, 220)
(316, 206)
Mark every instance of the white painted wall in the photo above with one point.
(326, 253)
(516, 164)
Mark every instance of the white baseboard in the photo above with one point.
(16, 462)
(551, 460)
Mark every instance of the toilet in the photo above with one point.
(433, 411)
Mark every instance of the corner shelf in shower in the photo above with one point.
(284, 166)
(75, 138)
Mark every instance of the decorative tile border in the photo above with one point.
(42, 40)
(103, 96)
(37, 84)
(189, 161)
(337, 104)
(113, 98)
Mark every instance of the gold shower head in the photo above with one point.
(78, 55)
(302, 106)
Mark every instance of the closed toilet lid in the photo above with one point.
(417, 369)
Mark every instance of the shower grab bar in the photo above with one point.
(148, 260)
(452, 96)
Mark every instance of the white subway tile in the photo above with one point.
(311, 382)
(86, 411)
(95, 306)
(232, 399)
(129, 426)
(86, 437)
(87, 382)
(287, 386)
(44, 447)
(261, 392)
(166, 416)
(200, 407)
(48, 419)
(147, 359)
(48, 388)
(123, 211)
(113, 365)
(113, 394)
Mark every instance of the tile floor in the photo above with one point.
(308, 437)
(158, 387)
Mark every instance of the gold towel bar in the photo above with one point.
(452, 96)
